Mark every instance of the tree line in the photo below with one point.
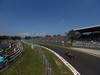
(71, 36)
(10, 37)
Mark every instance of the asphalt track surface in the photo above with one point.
(84, 63)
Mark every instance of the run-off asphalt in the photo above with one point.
(86, 64)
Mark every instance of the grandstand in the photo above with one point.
(89, 37)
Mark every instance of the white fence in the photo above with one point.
(86, 44)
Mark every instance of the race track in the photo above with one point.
(86, 64)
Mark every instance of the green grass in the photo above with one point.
(1, 49)
(58, 67)
(28, 64)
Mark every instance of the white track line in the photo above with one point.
(75, 72)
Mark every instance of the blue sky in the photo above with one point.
(47, 16)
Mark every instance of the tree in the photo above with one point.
(15, 37)
(10, 38)
(71, 36)
(5, 37)
(28, 37)
(47, 36)
(59, 35)
(54, 35)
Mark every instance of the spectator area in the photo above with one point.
(89, 37)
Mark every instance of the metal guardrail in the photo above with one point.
(9, 59)
(48, 69)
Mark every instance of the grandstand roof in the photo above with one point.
(88, 29)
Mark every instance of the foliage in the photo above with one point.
(71, 36)
(10, 38)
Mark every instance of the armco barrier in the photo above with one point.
(75, 72)
(48, 69)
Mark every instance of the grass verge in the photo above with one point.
(58, 67)
(27, 64)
